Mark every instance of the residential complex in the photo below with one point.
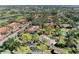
(39, 29)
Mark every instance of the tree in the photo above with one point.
(35, 36)
(44, 41)
(23, 49)
(72, 42)
(49, 30)
(26, 37)
(11, 44)
(2, 49)
(40, 21)
(42, 31)
(42, 47)
(54, 12)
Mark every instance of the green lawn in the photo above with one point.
(2, 21)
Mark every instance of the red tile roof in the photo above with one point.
(51, 16)
(49, 24)
(33, 28)
(3, 29)
(21, 20)
(12, 25)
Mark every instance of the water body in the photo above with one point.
(8, 17)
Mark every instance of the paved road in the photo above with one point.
(14, 34)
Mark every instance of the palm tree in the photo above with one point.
(72, 42)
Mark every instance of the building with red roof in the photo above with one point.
(3, 29)
(32, 29)
(49, 24)
(13, 26)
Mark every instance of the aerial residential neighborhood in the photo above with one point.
(39, 29)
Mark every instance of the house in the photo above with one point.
(3, 29)
(65, 25)
(50, 17)
(21, 21)
(36, 16)
(49, 24)
(49, 40)
(3, 32)
(13, 26)
(32, 29)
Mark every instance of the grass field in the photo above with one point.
(2, 21)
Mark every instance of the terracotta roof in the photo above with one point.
(33, 28)
(49, 24)
(12, 24)
(20, 20)
(3, 29)
(51, 16)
